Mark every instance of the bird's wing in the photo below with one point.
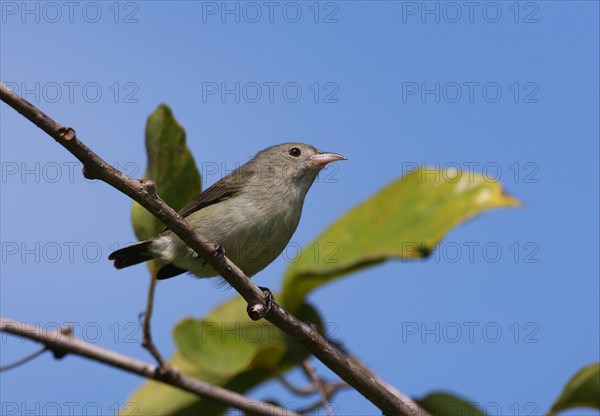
(221, 190)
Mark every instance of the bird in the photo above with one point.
(251, 214)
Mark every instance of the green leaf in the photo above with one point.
(227, 342)
(404, 220)
(170, 165)
(225, 348)
(582, 390)
(445, 404)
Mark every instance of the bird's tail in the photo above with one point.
(130, 255)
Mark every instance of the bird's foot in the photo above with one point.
(219, 251)
(259, 309)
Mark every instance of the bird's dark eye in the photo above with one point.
(294, 151)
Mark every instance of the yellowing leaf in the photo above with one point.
(404, 220)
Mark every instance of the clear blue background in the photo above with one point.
(158, 52)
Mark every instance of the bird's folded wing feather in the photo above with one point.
(221, 190)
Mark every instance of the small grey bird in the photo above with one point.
(251, 213)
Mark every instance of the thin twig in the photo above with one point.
(300, 391)
(331, 389)
(312, 375)
(144, 192)
(62, 343)
(163, 365)
(311, 388)
(23, 360)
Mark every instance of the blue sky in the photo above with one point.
(509, 89)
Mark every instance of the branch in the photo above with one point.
(144, 192)
(62, 343)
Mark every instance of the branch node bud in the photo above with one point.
(149, 186)
(67, 133)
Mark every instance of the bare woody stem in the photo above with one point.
(144, 192)
(63, 342)
(312, 375)
(147, 342)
